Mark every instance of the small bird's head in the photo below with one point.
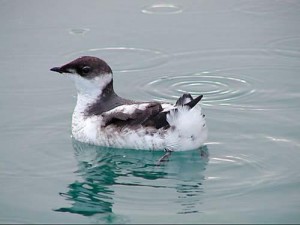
(87, 67)
(90, 73)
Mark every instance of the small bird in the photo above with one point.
(103, 118)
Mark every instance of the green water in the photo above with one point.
(243, 56)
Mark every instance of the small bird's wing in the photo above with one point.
(146, 114)
(152, 114)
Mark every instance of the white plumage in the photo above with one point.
(102, 118)
(187, 130)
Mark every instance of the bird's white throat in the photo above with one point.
(89, 90)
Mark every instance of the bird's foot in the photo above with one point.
(165, 157)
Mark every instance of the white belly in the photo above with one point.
(188, 131)
(90, 131)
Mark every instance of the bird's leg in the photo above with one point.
(165, 157)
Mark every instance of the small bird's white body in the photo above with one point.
(188, 131)
(187, 126)
(180, 126)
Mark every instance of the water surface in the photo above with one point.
(243, 56)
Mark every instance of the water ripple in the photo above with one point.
(256, 175)
(267, 6)
(254, 85)
(235, 170)
(78, 31)
(162, 8)
(215, 88)
(287, 46)
(190, 7)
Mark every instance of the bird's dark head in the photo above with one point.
(88, 67)
(91, 74)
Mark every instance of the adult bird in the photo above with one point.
(101, 117)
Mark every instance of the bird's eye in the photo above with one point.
(86, 69)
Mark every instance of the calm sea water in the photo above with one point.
(242, 55)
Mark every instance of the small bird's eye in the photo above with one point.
(86, 69)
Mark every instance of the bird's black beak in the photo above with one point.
(57, 69)
(62, 69)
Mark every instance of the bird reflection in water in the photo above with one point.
(104, 171)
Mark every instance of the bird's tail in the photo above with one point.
(188, 124)
(187, 100)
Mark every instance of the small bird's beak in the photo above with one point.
(57, 69)
(62, 69)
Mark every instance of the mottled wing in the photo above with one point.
(146, 114)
